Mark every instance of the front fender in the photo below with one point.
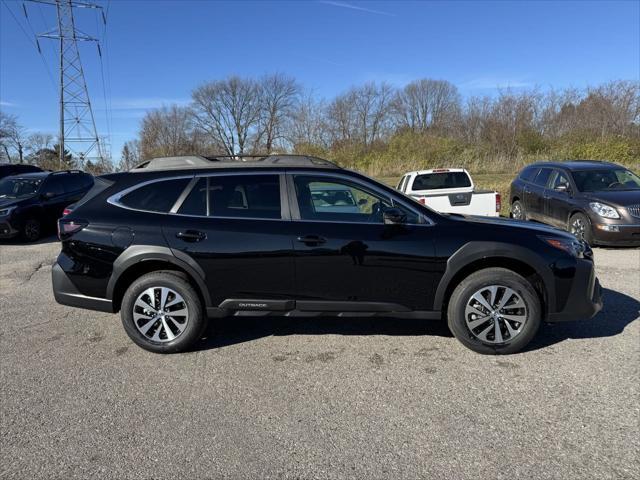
(474, 251)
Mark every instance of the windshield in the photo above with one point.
(436, 181)
(606, 180)
(19, 187)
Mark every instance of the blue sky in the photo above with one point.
(156, 52)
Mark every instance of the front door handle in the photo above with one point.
(312, 240)
(191, 235)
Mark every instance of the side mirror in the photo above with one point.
(48, 195)
(393, 216)
(363, 201)
(563, 187)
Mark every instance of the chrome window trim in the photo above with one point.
(116, 197)
(366, 186)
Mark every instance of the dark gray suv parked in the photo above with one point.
(596, 201)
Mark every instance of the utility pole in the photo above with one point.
(78, 133)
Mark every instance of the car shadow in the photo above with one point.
(619, 311)
(19, 241)
(227, 331)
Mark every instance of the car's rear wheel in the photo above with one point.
(494, 311)
(517, 211)
(580, 226)
(31, 230)
(161, 312)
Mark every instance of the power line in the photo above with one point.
(78, 130)
(33, 42)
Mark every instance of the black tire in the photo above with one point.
(31, 230)
(580, 226)
(518, 206)
(195, 323)
(475, 283)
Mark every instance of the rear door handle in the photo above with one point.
(191, 235)
(311, 240)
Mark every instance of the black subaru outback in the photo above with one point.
(180, 239)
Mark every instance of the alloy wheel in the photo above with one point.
(578, 228)
(160, 314)
(495, 314)
(516, 211)
(32, 230)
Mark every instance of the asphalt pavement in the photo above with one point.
(313, 398)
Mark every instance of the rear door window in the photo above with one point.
(247, 196)
(76, 182)
(529, 173)
(156, 196)
(55, 185)
(543, 177)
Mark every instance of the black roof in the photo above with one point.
(245, 161)
(578, 164)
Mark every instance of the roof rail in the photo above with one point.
(75, 170)
(197, 161)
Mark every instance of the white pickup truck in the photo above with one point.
(450, 190)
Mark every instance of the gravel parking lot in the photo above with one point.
(307, 398)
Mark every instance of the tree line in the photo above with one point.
(383, 129)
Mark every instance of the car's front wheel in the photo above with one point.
(580, 226)
(161, 312)
(494, 311)
(32, 230)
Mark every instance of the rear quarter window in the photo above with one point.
(155, 197)
(528, 174)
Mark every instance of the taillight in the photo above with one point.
(66, 212)
(498, 202)
(423, 201)
(66, 228)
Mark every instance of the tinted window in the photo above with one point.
(253, 196)
(559, 178)
(54, 184)
(435, 181)
(599, 180)
(528, 174)
(543, 177)
(19, 187)
(196, 201)
(156, 196)
(75, 182)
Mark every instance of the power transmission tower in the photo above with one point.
(78, 133)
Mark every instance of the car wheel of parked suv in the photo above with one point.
(31, 230)
(161, 312)
(494, 311)
(517, 211)
(580, 226)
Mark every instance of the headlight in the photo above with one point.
(575, 248)
(6, 211)
(604, 210)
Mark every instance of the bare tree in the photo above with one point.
(307, 124)
(167, 131)
(362, 114)
(130, 156)
(229, 112)
(13, 136)
(426, 103)
(278, 96)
